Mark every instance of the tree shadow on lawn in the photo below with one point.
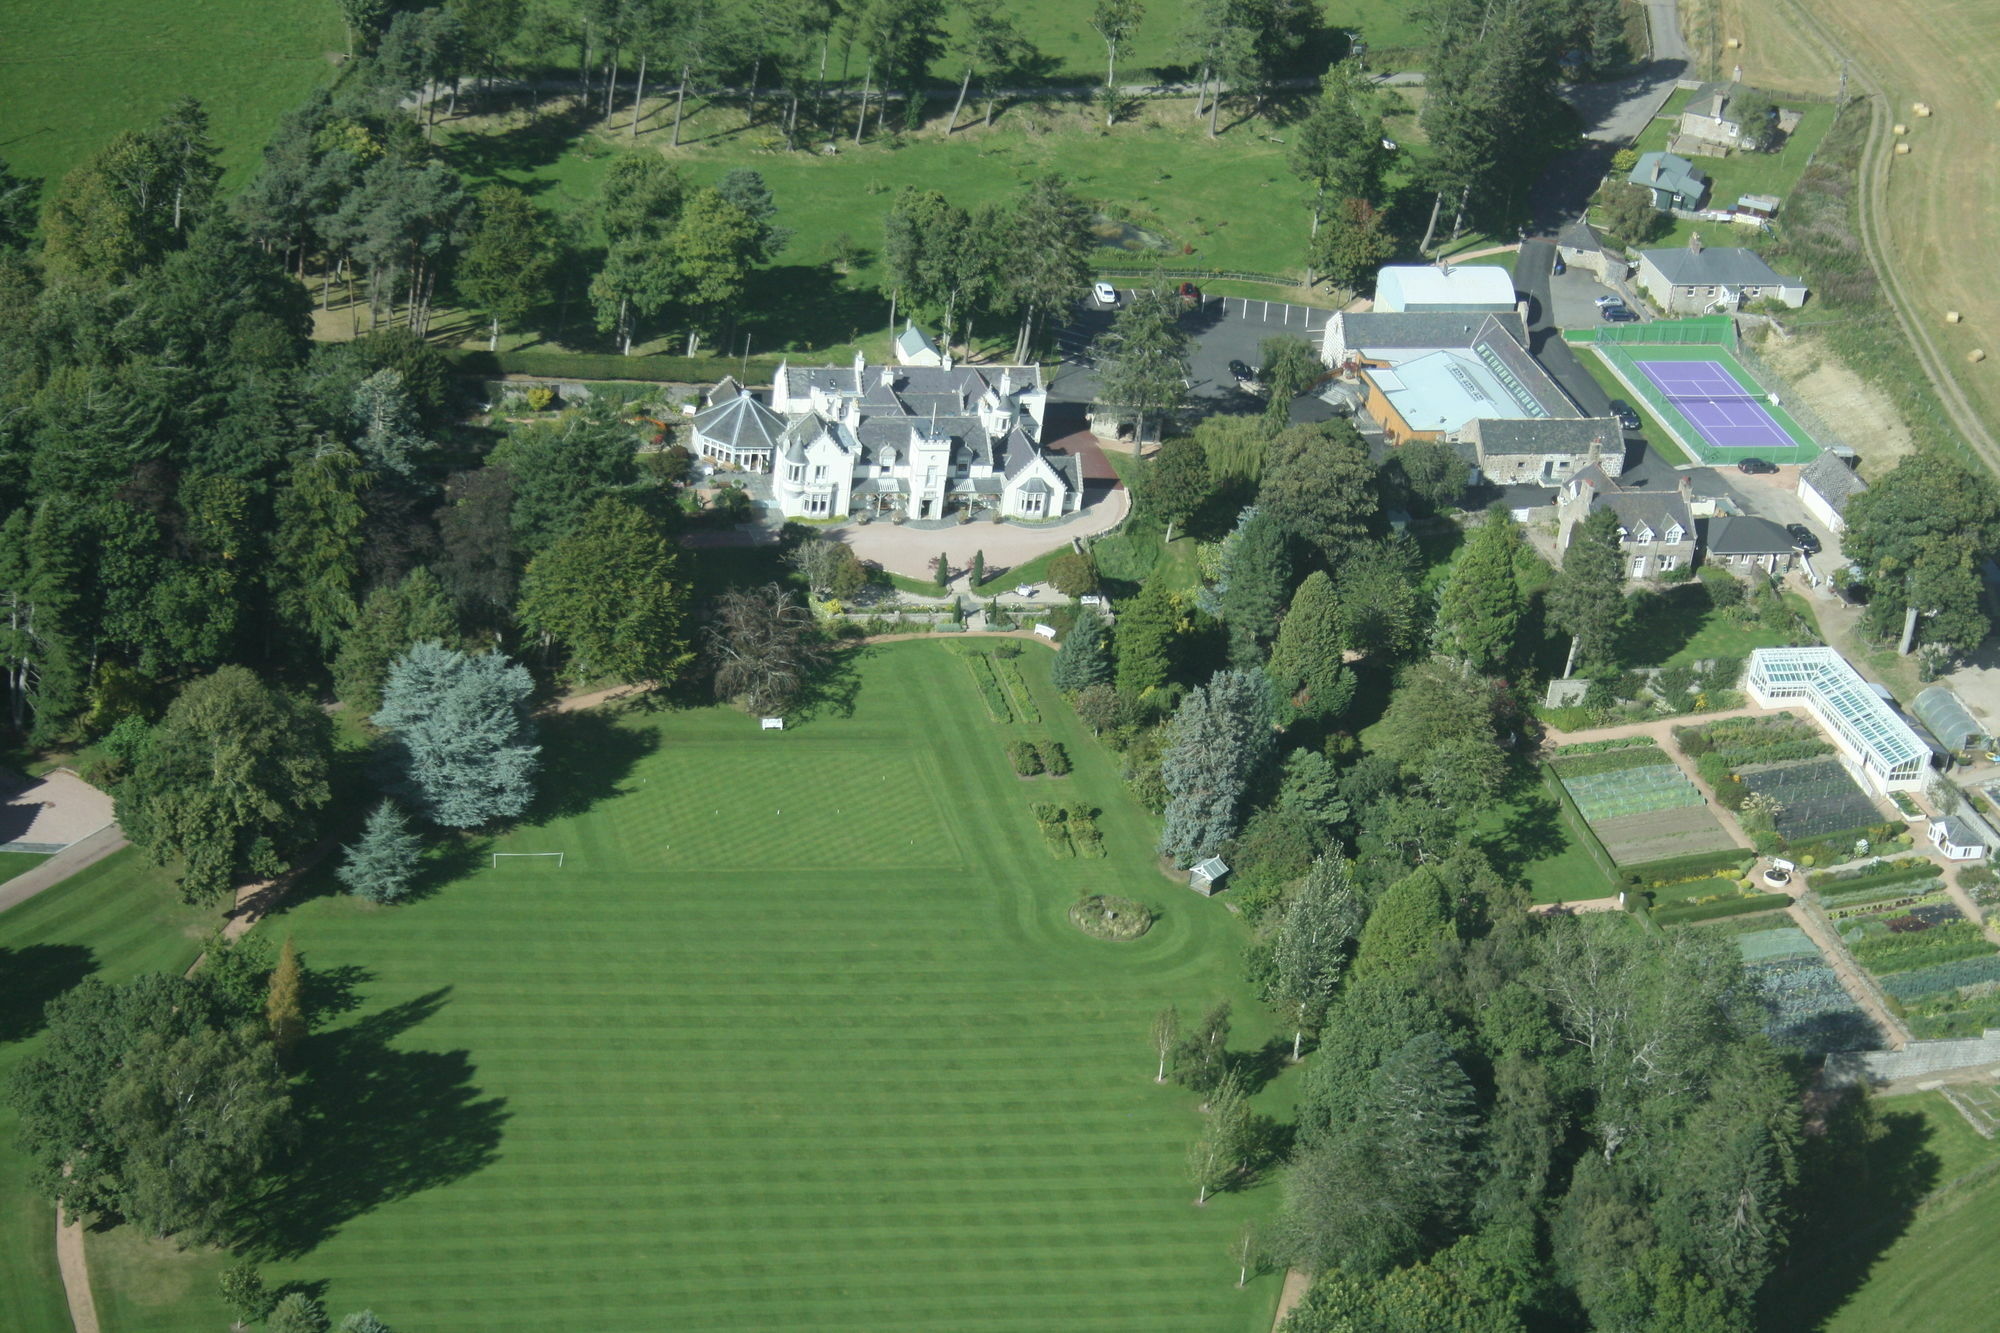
(586, 757)
(1857, 1196)
(32, 976)
(806, 306)
(1663, 624)
(832, 689)
(519, 148)
(378, 1124)
(1535, 832)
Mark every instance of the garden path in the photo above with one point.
(71, 1262)
(1296, 1283)
(1859, 986)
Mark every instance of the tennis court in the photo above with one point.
(1715, 404)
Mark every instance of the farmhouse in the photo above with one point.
(1707, 279)
(1467, 379)
(1656, 532)
(1826, 485)
(1673, 181)
(1742, 543)
(1471, 289)
(1880, 749)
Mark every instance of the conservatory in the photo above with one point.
(1871, 737)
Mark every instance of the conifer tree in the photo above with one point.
(1260, 569)
(1145, 632)
(1308, 663)
(1218, 740)
(1480, 606)
(284, 1010)
(460, 739)
(382, 865)
(1081, 661)
(1588, 599)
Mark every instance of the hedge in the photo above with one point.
(1757, 902)
(1585, 835)
(1599, 747)
(610, 366)
(1680, 867)
(1609, 761)
(1830, 886)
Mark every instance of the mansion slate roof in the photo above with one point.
(741, 422)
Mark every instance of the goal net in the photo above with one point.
(498, 857)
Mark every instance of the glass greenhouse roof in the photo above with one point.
(1847, 700)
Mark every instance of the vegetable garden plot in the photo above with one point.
(1964, 974)
(1810, 1010)
(1658, 834)
(1764, 946)
(1631, 791)
(1816, 795)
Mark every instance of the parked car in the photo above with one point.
(1189, 294)
(1609, 299)
(1105, 293)
(1756, 467)
(1627, 418)
(1618, 314)
(1803, 537)
(1559, 268)
(1242, 373)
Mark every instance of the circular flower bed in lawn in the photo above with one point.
(1105, 917)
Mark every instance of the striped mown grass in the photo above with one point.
(848, 1067)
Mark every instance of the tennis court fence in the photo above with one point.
(1703, 331)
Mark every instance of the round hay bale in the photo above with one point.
(1902, 129)
(1902, 149)
(1976, 355)
(1921, 108)
(1733, 43)
(1952, 317)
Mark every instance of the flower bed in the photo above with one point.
(1923, 936)
(1022, 702)
(1854, 878)
(1105, 917)
(1600, 747)
(1750, 740)
(1681, 913)
(981, 667)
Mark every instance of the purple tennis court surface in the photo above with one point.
(1715, 404)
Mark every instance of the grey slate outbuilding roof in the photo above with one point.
(1399, 328)
(1717, 266)
(1836, 482)
(1549, 435)
(1669, 172)
(1737, 535)
(741, 422)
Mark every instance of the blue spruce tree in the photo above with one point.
(460, 740)
(381, 866)
(1216, 743)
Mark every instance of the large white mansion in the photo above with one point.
(913, 439)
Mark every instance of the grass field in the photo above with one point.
(841, 1067)
(14, 863)
(1680, 627)
(77, 74)
(115, 920)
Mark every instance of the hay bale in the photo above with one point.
(1976, 355)
(1901, 149)
(1733, 43)
(1902, 129)
(1952, 317)
(1921, 108)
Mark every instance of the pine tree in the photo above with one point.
(460, 739)
(1480, 606)
(1219, 739)
(298, 1313)
(1260, 569)
(978, 569)
(1308, 662)
(284, 1010)
(1588, 599)
(1144, 637)
(382, 865)
(1081, 661)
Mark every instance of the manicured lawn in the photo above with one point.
(1684, 628)
(1935, 1275)
(115, 920)
(80, 72)
(1528, 834)
(15, 863)
(797, 1037)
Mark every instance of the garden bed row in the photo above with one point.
(1069, 830)
(1033, 759)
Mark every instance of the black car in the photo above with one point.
(1803, 537)
(1618, 314)
(1756, 467)
(1559, 268)
(1627, 418)
(1242, 372)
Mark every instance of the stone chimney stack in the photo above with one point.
(860, 369)
(1694, 242)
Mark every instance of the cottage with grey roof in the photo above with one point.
(1745, 543)
(1656, 532)
(1671, 180)
(1826, 485)
(916, 440)
(1709, 279)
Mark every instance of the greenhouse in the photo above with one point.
(1859, 721)
(1948, 719)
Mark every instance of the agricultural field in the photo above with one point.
(1809, 1008)
(825, 1054)
(80, 73)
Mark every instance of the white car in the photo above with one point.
(1105, 293)
(1609, 299)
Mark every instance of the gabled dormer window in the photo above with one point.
(1676, 534)
(1645, 534)
(1623, 535)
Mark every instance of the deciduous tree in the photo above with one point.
(1310, 951)
(1215, 1159)
(1176, 481)
(284, 1007)
(607, 591)
(1317, 486)
(508, 258)
(764, 647)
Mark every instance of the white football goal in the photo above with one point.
(530, 856)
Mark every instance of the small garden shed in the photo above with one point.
(1961, 838)
(1206, 877)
